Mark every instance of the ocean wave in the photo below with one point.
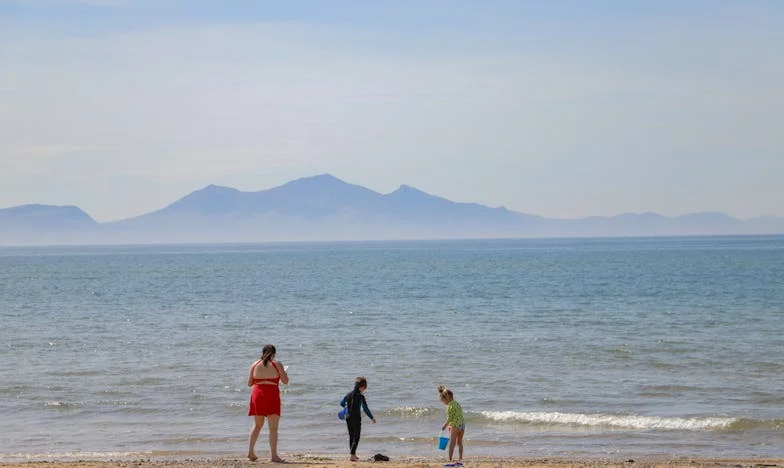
(412, 411)
(421, 440)
(751, 424)
(611, 421)
(77, 373)
(61, 405)
(15, 390)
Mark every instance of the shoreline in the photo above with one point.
(310, 460)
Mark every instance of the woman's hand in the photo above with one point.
(374, 420)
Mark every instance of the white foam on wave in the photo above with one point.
(411, 411)
(59, 404)
(614, 421)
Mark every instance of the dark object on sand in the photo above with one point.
(380, 457)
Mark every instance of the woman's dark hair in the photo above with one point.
(266, 354)
(360, 382)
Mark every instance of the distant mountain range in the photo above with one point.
(324, 208)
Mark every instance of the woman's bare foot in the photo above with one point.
(277, 459)
(354, 458)
(252, 457)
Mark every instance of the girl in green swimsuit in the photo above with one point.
(456, 423)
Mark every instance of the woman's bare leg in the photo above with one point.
(258, 423)
(274, 419)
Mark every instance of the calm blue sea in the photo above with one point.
(580, 348)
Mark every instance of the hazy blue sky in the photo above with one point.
(559, 108)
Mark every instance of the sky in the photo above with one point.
(563, 109)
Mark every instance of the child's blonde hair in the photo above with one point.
(445, 394)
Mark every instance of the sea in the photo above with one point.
(580, 348)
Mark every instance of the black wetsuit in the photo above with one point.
(355, 400)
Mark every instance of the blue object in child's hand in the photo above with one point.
(443, 440)
(343, 413)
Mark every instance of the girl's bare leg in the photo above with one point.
(258, 423)
(460, 445)
(274, 419)
(452, 442)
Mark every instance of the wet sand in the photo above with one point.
(402, 462)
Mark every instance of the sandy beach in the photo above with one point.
(339, 462)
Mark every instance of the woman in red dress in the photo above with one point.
(265, 375)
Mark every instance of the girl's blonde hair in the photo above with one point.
(445, 394)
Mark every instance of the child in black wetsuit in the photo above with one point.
(354, 400)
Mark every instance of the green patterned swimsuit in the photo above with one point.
(454, 415)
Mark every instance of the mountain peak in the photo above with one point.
(316, 182)
(212, 199)
(324, 176)
(708, 217)
(212, 188)
(38, 209)
(318, 178)
(47, 216)
(409, 190)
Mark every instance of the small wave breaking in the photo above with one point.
(61, 405)
(412, 411)
(611, 421)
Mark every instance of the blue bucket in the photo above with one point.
(443, 441)
(343, 413)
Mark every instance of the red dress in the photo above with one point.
(265, 398)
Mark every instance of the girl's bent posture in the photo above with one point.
(455, 422)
